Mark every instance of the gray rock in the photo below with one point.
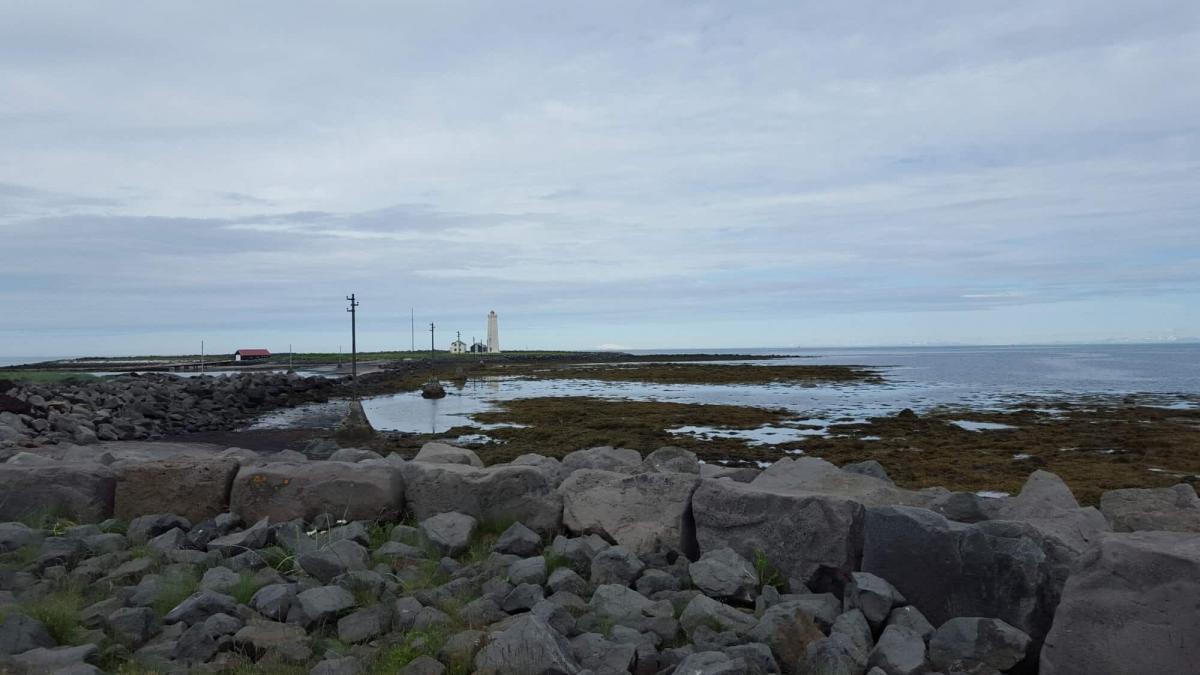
(249, 539)
(642, 512)
(20, 633)
(449, 533)
(623, 606)
(873, 595)
(969, 644)
(196, 488)
(444, 453)
(1013, 571)
(198, 644)
(423, 665)
(787, 629)
(353, 455)
(910, 617)
(15, 535)
(671, 460)
(558, 616)
(519, 540)
(870, 468)
(656, 581)
(274, 600)
(605, 458)
(56, 551)
(853, 635)
(431, 617)
(56, 659)
(83, 493)
(565, 579)
(199, 607)
(550, 466)
(758, 657)
(144, 528)
(364, 624)
(740, 474)
(287, 491)
(404, 613)
(481, 612)
(346, 665)
(522, 598)
(704, 611)
(220, 580)
(266, 637)
(528, 571)
(827, 656)
(725, 574)
(498, 493)
(394, 550)
(899, 651)
(459, 650)
(1151, 581)
(711, 663)
(616, 565)
(1173, 509)
(324, 603)
(598, 655)
(528, 646)
(223, 624)
(577, 552)
(333, 560)
(132, 626)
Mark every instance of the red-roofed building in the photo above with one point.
(251, 354)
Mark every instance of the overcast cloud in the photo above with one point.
(666, 174)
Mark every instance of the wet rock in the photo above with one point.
(641, 512)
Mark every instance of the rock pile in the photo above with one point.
(143, 406)
(605, 562)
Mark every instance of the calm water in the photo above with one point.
(918, 378)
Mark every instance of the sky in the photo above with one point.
(616, 175)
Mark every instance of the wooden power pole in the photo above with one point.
(353, 336)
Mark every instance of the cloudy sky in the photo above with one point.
(635, 174)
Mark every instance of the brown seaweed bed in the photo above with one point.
(1095, 444)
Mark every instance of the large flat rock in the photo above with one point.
(196, 488)
(1133, 606)
(498, 493)
(289, 490)
(642, 512)
(81, 492)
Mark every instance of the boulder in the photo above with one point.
(788, 629)
(353, 455)
(528, 571)
(1009, 570)
(671, 460)
(196, 489)
(15, 535)
(616, 565)
(528, 646)
(249, 539)
(971, 644)
(199, 606)
(495, 494)
(870, 468)
(81, 492)
(274, 600)
(264, 637)
(725, 574)
(1172, 509)
(449, 533)
(910, 617)
(704, 611)
(324, 603)
(20, 633)
(1131, 607)
(899, 651)
(798, 534)
(290, 490)
(873, 595)
(711, 663)
(739, 474)
(605, 458)
(132, 626)
(518, 540)
(146, 527)
(444, 453)
(643, 512)
(550, 466)
(365, 624)
(623, 606)
(331, 561)
(58, 660)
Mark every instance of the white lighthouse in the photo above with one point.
(493, 340)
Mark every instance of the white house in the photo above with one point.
(458, 347)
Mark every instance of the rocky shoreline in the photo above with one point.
(148, 557)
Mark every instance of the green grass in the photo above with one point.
(766, 572)
(416, 643)
(19, 558)
(379, 533)
(245, 589)
(45, 376)
(176, 587)
(59, 612)
(553, 561)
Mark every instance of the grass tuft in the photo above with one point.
(176, 586)
(59, 612)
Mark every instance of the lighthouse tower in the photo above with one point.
(493, 342)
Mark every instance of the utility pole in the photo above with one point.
(412, 329)
(431, 347)
(354, 338)
(289, 357)
(202, 356)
